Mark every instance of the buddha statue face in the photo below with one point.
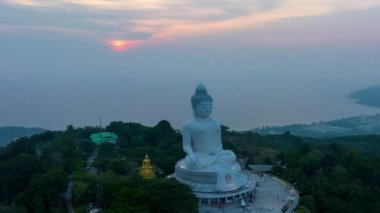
(201, 102)
(203, 110)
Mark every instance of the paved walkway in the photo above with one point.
(67, 196)
(272, 194)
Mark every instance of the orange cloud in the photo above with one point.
(171, 19)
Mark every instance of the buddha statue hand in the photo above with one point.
(199, 161)
(192, 159)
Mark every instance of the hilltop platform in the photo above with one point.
(272, 195)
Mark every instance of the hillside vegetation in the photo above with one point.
(332, 175)
(35, 171)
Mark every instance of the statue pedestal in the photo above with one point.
(216, 183)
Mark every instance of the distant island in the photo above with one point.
(369, 96)
(9, 133)
(358, 125)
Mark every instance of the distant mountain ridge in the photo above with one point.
(358, 125)
(9, 133)
(369, 96)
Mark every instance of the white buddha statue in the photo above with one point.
(202, 136)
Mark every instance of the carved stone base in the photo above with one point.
(214, 178)
(216, 183)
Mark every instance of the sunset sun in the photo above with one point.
(120, 45)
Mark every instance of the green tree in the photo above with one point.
(17, 172)
(152, 194)
(13, 209)
(106, 150)
(46, 191)
(87, 146)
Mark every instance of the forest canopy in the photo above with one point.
(37, 172)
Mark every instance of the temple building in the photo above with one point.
(146, 170)
(102, 137)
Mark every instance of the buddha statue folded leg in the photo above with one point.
(225, 157)
(201, 161)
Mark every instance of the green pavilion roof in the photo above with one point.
(104, 137)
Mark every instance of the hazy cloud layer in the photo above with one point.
(151, 21)
(264, 61)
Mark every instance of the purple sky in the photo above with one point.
(272, 62)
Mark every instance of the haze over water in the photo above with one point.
(297, 69)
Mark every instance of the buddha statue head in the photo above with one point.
(201, 102)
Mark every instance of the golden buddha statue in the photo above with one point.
(146, 170)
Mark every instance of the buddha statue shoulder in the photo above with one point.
(202, 139)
